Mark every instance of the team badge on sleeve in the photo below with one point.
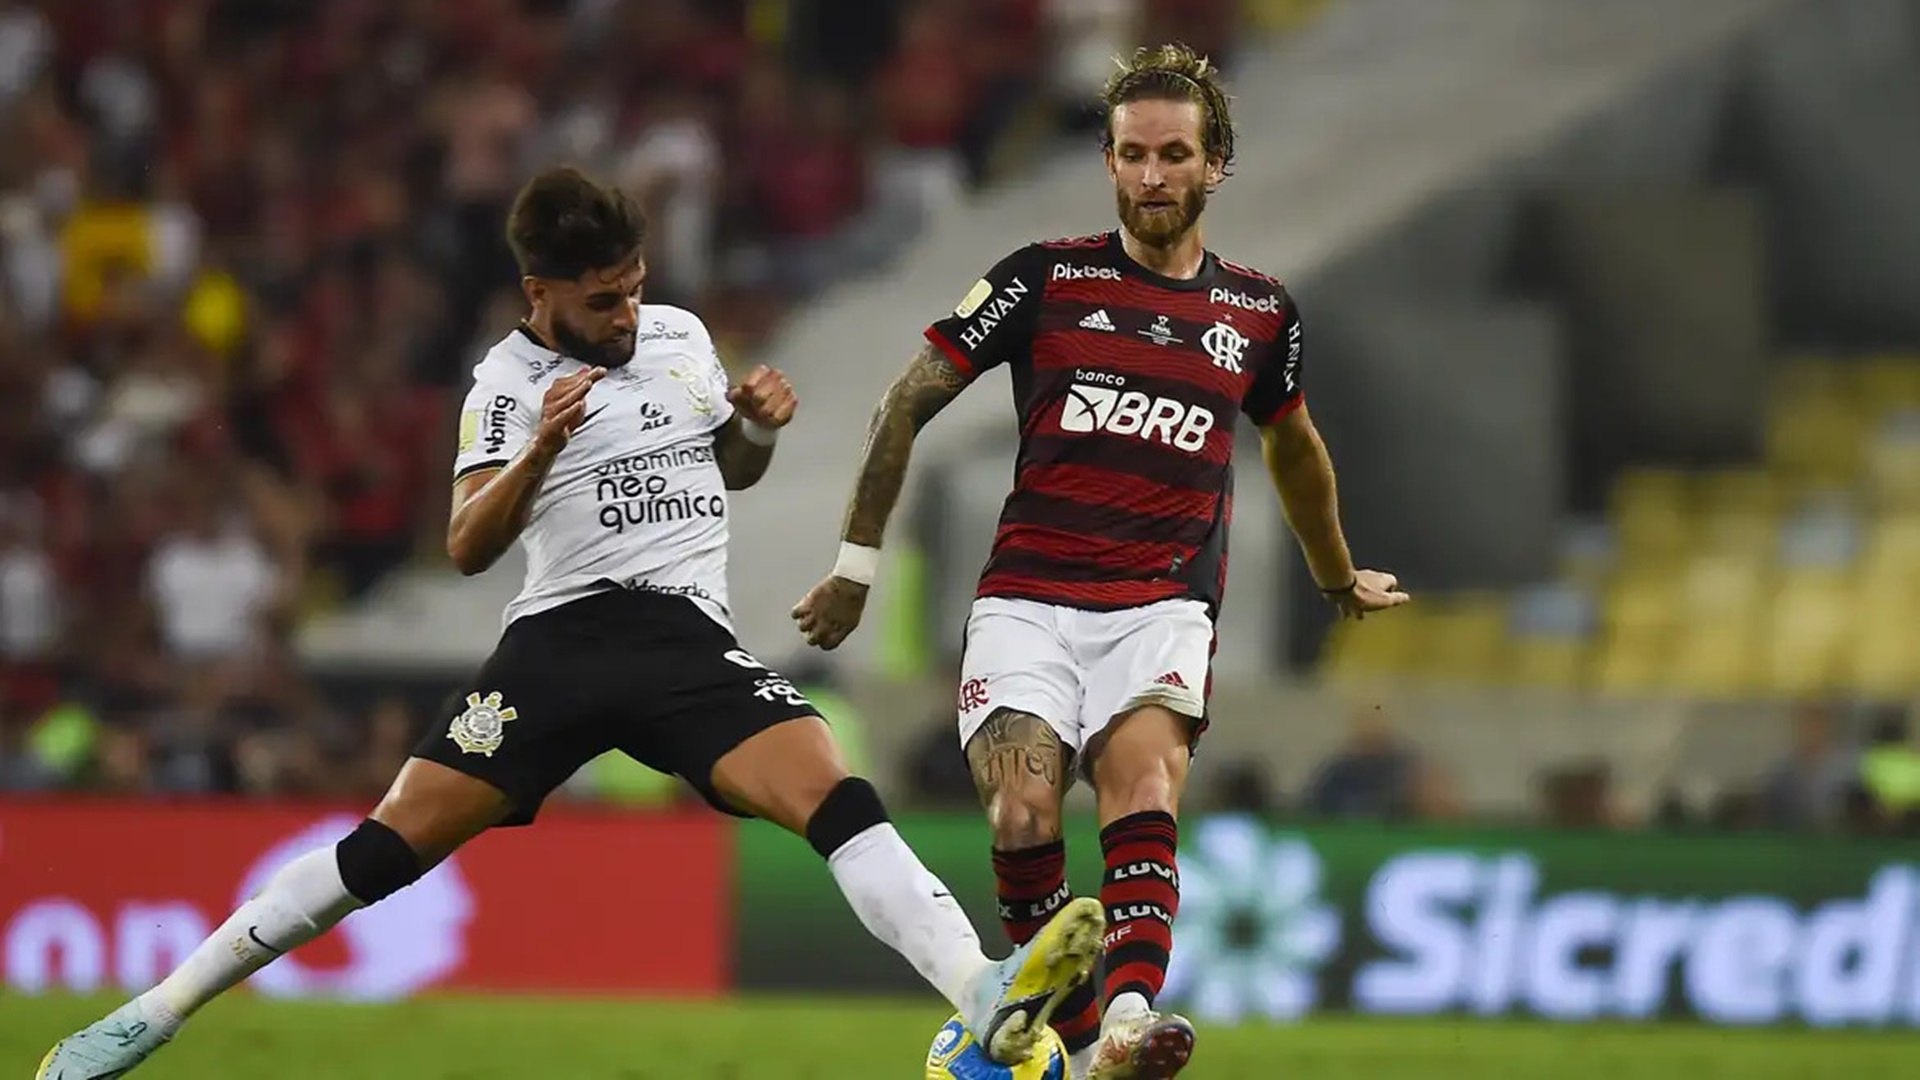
(699, 392)
(976, 296)
(480, 729)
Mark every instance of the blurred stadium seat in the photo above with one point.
(1777, 578)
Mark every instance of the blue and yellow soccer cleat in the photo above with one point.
(1009, 1003)
(955, 1056)
(106, 1049)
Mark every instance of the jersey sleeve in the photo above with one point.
(495, 425)
(716, 374)
(995, 322)
(1276, 389)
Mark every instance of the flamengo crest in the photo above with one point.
(1226, 345)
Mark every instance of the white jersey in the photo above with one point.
(636, 498)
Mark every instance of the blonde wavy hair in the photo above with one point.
(1174, 72)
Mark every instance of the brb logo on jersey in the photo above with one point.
(1118, 411)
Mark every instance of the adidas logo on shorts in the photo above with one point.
(1097, 321)
(1173, 679)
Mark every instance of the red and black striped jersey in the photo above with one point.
(1127, 384)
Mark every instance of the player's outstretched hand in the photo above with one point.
(1372, 590)
(564, 408)
(764, 397)
(830, 611)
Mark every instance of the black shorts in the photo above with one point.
(647, 674)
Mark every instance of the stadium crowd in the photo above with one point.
(249, 249)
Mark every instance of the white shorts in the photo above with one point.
(1077, 670)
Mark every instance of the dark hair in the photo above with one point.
(1173, 73)
(563, 224)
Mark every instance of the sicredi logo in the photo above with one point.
(1243, 885)
(1233, 298)
(1464, 931)
(1130, 412)
(1068, 272)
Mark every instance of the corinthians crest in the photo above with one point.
(479, 729)
(699, 391)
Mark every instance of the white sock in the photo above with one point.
(1124, 1007)
(1080, 1062)
(301, 901)
(903, 904)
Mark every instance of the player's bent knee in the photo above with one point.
(782, 774)
(1139, 793)
(1024, 817)
(851, 808)
(376, 862)
(1020, 768)
(1127, 766)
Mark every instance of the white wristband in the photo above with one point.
(757, 435)
(857, 563)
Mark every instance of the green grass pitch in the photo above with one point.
(856, 1039)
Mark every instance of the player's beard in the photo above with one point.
(607, 354)
(1161, 228)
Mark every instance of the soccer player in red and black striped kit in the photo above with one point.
(1090, 640)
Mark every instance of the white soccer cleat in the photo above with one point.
(1146, 1046)
(107, 1048)
(1011, 1000)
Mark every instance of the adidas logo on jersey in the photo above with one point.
(1097, 321)
(1173, 679)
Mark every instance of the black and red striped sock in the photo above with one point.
(1032, 888)
(1141, 892)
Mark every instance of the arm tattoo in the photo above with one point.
(1014, 749)
(921, 391)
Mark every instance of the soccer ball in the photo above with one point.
(956, 1056)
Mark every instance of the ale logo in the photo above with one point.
(1253, 930)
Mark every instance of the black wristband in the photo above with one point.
(1347, 588)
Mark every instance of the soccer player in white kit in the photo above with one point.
(603, 436)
